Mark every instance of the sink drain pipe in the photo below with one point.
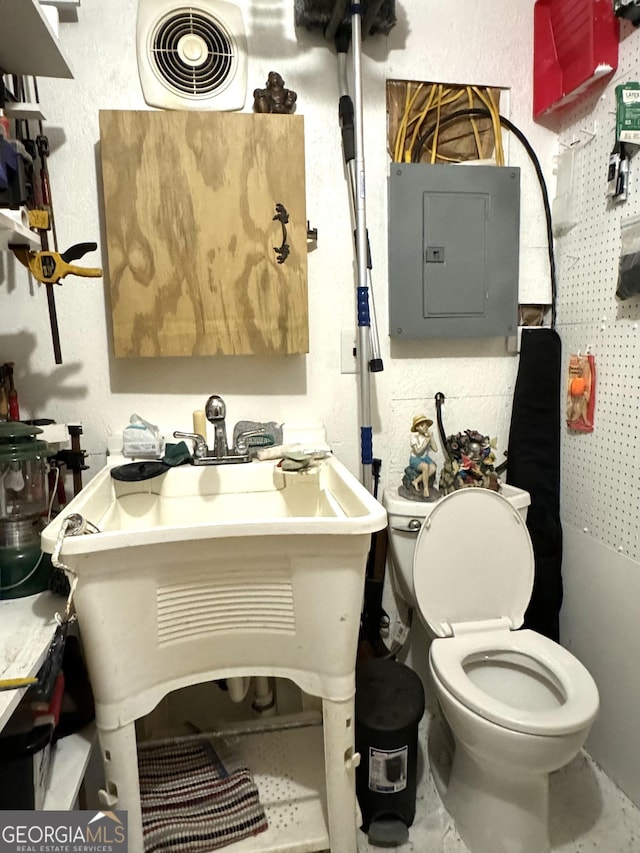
(263, 699)
(237, 688)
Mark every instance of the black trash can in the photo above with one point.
(389, 706)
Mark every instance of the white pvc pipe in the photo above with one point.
(238, 687)
(263, 699)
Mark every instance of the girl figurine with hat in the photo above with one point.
(419, 477)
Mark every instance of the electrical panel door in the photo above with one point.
(453, 250)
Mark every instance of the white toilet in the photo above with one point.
(519, 705)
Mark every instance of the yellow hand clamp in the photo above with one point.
(50, 267)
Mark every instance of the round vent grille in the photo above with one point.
(192, 53)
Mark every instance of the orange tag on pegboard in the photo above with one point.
(581, 392)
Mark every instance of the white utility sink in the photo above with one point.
(269, 564)
(221, 572)
(209, 502)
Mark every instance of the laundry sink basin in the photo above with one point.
(217, 572)
(202, 502)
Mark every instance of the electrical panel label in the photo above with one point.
(388, 769)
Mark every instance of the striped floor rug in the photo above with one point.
(190, 803)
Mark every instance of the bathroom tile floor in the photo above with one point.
(588, 814)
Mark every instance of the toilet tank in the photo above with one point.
(405, 520)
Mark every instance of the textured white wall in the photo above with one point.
(490, 43)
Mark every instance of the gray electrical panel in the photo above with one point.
(454, 234)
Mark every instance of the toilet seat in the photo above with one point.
(473, 570)
(547, 658)
(473, 562)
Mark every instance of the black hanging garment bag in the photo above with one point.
(533, 463)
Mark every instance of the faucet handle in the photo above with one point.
(241, 445)
(200, 445)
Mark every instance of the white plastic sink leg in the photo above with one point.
(339, 759)
(120, 760)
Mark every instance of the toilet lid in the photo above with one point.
(473, 561)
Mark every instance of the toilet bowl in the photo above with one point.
(519, 705)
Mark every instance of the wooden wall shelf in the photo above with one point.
(28, 45)
(14, 233)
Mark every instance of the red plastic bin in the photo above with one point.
(575, 43)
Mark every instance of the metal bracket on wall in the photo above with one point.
(312, 237)
(587, 135)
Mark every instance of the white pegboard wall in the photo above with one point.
(600, 487)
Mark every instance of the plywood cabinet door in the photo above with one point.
(189, 202)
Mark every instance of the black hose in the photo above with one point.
(376, 465)
(502, 467)
(439, 398)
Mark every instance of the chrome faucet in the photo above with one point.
(216, 412)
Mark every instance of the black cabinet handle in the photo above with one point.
(282, 217)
